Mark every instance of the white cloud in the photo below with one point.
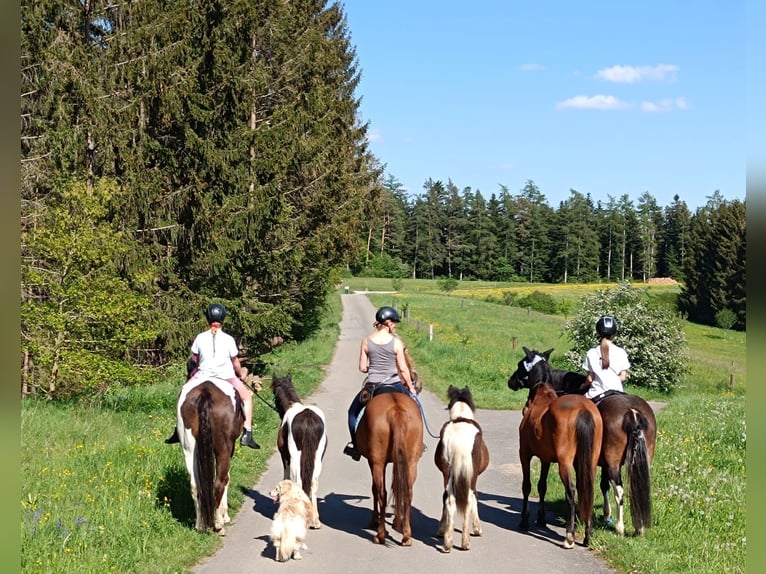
(531, 67)
(597, 102)
(375, 136)
(665, 105)
(635, 74)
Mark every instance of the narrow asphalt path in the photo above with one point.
(344, 543)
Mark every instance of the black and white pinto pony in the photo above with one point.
(302, 440)
(630, 431)
(461, 456)
(210, 417)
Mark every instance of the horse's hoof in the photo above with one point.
(378, 539)
(568, 541)
(407, 541)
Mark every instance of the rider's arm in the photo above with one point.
(401, 366)
(363, 356)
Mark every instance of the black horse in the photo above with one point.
(535, 368)
(630, 432)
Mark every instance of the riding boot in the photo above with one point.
(247, 439)
(172, 439)
(352, 451)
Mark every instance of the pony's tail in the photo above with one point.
(204, 458)
(313, 431)
(461, 472)
(637, 461)
(400, 480)
(584, 464)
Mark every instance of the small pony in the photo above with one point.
(535, 368)
(461, 456)
(301, 440)
(209, 422)
(288, 529)
(566, 430)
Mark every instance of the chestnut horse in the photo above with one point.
(210, 418)
(461, 456)
(630, 431)
(301, 441)
(566, 430)
(391, 431)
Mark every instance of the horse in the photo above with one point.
(534, 368)
(390, 430)
(630, 431)
(301, 440)
(209, 420)
(567, 430)
(461, 456)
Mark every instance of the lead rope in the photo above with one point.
(425, 420)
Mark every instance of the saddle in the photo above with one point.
(370, 390)
(598, 398)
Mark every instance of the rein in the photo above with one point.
(425, 420)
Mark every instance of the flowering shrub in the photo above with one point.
(650, 334)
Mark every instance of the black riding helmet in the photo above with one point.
(386, 313)
(215, 313)
(606, 326)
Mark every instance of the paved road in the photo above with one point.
(344, 543)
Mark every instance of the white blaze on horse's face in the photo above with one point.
(529, 364)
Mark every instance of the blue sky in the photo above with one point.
(604, 97)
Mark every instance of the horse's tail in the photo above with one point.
(461, 470)
(205, 459)
(635, 424)
(312, 432)
(585, 431)
(400, 480)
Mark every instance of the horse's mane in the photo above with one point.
(460, 395)
(284, 393)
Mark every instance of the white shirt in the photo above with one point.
(215, 354)
(605, 379)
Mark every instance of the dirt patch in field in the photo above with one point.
(663, 281)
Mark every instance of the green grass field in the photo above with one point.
(102, 493)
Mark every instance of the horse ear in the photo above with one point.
(527, 352)
(547, 354)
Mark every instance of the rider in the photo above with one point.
(382, 358)
(215, 355)
(606, 363)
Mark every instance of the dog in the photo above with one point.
(291, 521)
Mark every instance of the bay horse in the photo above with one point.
(567, 430)
(301, 440)
(390, 430)
(210, 417)
(461, 456)
(630, 431)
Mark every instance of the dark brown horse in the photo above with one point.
(301, 441)
(210, 418)
(630, 431)
(566, 430)
(391, 431)
(461, 456)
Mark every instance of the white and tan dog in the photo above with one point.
(288, 530)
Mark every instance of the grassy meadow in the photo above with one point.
(103, 493)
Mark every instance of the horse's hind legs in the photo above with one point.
(542, 489)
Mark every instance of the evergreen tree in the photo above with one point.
(534, 220)
(674, 248)
(575, 240)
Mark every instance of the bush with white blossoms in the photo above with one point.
(651, 335)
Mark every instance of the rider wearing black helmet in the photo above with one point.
(382, 358)
(607, 364)
(215, 355)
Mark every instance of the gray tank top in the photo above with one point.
(382, 362)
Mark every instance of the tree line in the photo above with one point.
(174, 154)
(454, 233)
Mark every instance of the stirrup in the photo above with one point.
(351, 450)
